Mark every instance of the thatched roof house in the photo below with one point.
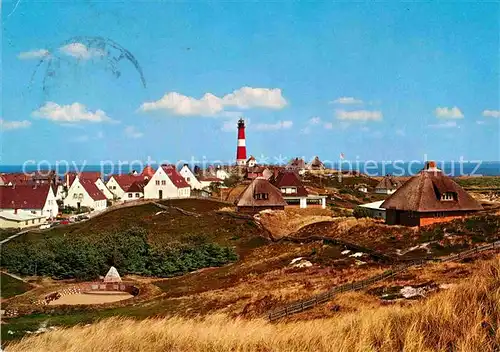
(388, 185)
(260, 195)
(428, 197)
(316, 164)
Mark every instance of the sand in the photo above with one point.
(92, 298)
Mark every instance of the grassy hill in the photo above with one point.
(464, 318)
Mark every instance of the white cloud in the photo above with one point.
(315, 120)
(347, 101)
(280, 125)
(358, 115)
(447, 124)
(306, 130)
(448, 113)
(480, 122)
(210, 104)
(81, 51)
(328, 125)
(131, 132)
(73, 113)
(13, 125)
(33, 54)
(491, 113)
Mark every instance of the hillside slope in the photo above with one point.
(464, 318)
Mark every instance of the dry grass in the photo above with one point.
(465, 318)
(284, 222)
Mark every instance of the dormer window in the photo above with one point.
(446, 196)
(261, 196)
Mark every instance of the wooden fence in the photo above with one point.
(302, 305)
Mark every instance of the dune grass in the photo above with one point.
(465, 318)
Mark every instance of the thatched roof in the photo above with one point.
(388, 182)
(260, 186)
(423, 192)
(316, 164)
(112, 275)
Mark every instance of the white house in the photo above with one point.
(208, 180)
(167, 183)
(29, 199)
(251, 162)
(84, 193)
(119, 184)
(88, 175)
(135, 191)
(102, 187)
(19, 220)
(388, 185)
(190, 177)
(222, 174)
(374, 209)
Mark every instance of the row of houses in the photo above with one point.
(29, 199)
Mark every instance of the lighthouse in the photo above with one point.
(241, 150)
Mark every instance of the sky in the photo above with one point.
(121, 81)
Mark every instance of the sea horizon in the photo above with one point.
(370, 168)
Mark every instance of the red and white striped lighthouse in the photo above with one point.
(241, 150)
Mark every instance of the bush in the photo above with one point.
(129, 252)
(360, 212)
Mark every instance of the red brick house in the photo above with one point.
(428, 198)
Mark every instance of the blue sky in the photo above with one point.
(374, 81)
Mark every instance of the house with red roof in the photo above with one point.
(190, 177)
(167, 183)
(29, 199)
(294, 192)
(119, 184)
(85, 193)
(94, 176)
(135, 191)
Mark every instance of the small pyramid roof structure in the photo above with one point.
(112, 275)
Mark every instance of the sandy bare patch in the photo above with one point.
(92, 298)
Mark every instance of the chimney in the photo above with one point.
(241, 149)
(431, 166)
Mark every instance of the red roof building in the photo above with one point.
(175, 176)
(148, 171)
(294, 192)
(84, 175)
(37, 199)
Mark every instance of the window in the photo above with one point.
(188, 179)
(33, 221)
(439, 214)
(26, 223)
(33, 212)
(137, 195)
(261, 196)
(448, 196)
(163, 182)
(130, 195)
(157, 182)
(75, 195)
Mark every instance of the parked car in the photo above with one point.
(82, 218)
(45, 226)
(64, 222)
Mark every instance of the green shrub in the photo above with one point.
(129, 252)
